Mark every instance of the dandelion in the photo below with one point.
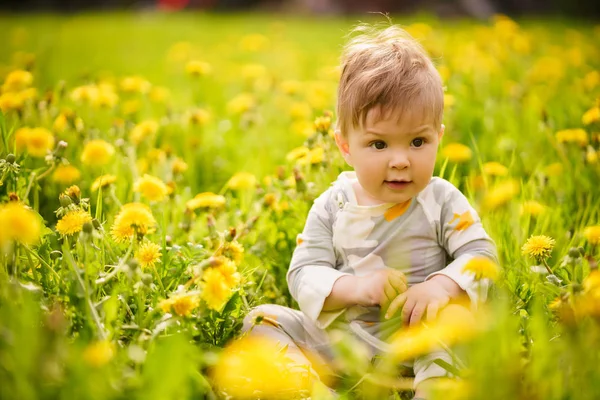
(97, 153)
(197, 116)
(84, 94)
(17, 80)
(60, 123)
(494, 168)
(299, 110)
(66, 174)
(457, 152)
(315, 156)
(215, 290)
(159, 94)
(39, 142)
(181, 304)
(18, 223)
(241, 181)
(205, 200)
(228, 269)
(297, 153)
(592, 234)
(233, 250)
(198, 68)
(533, 208)
(179, 166)
(11, 102)
(501, 194)
(143, 130)
(99, 353)
(578, 136)
(133, 218)
(148, 254)
(72, 222)
(590, 116)
(322, 124)
(241, 104)
(103, 181)
(482, 268)
(591, 156)
(135, 84)
(538, 247)
(554, 169)
(151, 187)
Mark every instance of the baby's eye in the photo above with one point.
(378, 145)
(418, 142)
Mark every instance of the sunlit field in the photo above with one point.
(155, 170)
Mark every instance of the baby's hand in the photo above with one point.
(380, 287)
(426, 297)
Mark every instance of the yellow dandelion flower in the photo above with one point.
(234, 250)
(590, 116)
(73, 222)
(135, 84)
(179, 166)
(97, 153)
(66, 174)
(227, 268)
(133, 218)
(241, 104)
(19, 223)
(106, 96)
(148, 254)
(539, 247)
(591, 80)
(205, 200)
(554, 169)
(197, 116)
(303, 128)
(103, 181)
(592, 234)
(181, 304)
(17, 80)
(591, 155)
(198, 68)
(241, 181)
(494, 168)
(315, 156)
(457, 152)
(143, 130)
(151, 187)
(73, 192)
(322, 124)
(533, 208)
(39, 142)
(84, 94)
(99, 353)
(60, 123)
(11, 102)
(260, 366)
(482, 268)
(298, 152)
(215, 290)
(578, 136)
(501, 194)
(254, 42)
(159, 94)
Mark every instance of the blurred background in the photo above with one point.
(446, 8)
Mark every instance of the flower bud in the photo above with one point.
(88, 227)
(65, 200)
(11, 158)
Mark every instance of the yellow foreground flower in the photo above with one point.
(538, 247)
(133, 218)
(592, 234)
(181, 304)
(73, 222)
(482, 268)
(148, 254)
(99, 353)
(151, 188)
(578, 136)
(18, 223)
(256, 367)
(215, 290)
(97, 153)
(17, 80)
(501, 194)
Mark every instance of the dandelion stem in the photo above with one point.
(547, 267)
(44, 263)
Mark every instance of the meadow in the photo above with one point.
(155, 170)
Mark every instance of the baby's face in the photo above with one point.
(393, 158)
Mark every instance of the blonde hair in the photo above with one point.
(389, 69)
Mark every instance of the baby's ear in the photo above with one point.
(441, 134)
(342, 143)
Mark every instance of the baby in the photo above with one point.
(387, 237)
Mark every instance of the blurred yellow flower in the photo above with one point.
(457, 152)
(151, 187)
(179, 166)
(259, 367)
(148, 254)
(159, 94)
(482, 268)
(98, 354)
(65, 174)
(298, 152)
(592, 234)
(300, 110)
(205, 200)
(39, 141)
(17, 80)
(494, 168)
(60, 123)
(315, 156)
(254, 42)
(18, 223)
(253, 71)
(449, 100)
(103, 181)
(500, 194)
(591, 80)
(215, 290)
(84, 94)
(303, 128)
(322, 124)
(143, 130)
(241, 104)
(228, 269)
(11, 102)
(97, 153)
(241, 181)
(73, 222)
(181, 304)
(578, 136)
(554, 169)
(290, 87)
(198, 68)
(133, 218)
(590, 116)
(533, 208)
(547, 70)
(197, 116)
(233, 250)
(135, 84)
(591, 155)
(106, 96)
(538, 247)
